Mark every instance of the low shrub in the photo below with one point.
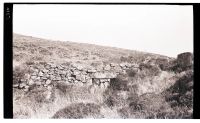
(79, 110)
(39, 95)
(115, 99)
(146, 106)
(163, 63)
(18, 73)
(131, 72)
(177, 67)
(45, 52)
(123, 59)
(149, 70)
(63, 87)
(29, 62)
(180, 96)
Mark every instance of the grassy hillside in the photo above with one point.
(27, 49)
(158, 88)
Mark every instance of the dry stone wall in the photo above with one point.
(49, 74)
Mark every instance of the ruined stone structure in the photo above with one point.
(49, 74)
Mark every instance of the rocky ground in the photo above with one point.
(54, 79)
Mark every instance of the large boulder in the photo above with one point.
(185, 59)
(104, 75)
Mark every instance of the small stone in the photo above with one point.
(124, 71)
(52, 77)
(22, 85)
(34, 74)
(117, 69)
(49, 88)
(122, 65)
(15, 85)
(102, 85)
(79, 67)
(45, 70)
(53, 66)
(96, 81)
(62, 72)
(38, 78)
(91, 71)
(47, 66)
(80, 84)
(51, 72)
(30, 82)
(136, 65)
(102, 80)
(89, 82)
(47, 75)
(23, 80)
(44, 78)
(70, 78)
(40, 73)
(60, 67)
(112, 64)
(33, 77)
(84, 73)
(76, 81)
(38, 83)
(26, 76)
(107, 67)
(128, 65)
(48, 82)
(58, 78)
(106, 84)
(26, 89)
(36, 70)
(76, 72)
(78, 77)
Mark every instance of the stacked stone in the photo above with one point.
(49, 74)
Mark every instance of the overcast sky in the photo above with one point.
(161, 29)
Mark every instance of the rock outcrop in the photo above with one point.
(185, 59)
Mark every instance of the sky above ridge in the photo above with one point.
(160, 29)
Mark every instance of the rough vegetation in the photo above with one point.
(54, 79)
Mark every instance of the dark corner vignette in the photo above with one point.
(196, 26)
(7, 62)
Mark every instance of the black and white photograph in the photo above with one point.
(102, 61)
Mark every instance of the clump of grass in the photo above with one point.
(39, 95)
(74, 92)
(18, 73)
(180, 96)
(114, 99)
(119, 92)
(79, 110)
(149, 70)
(131, 72)
(22, 112)
(63, 87)
(146, 106)
(163, 63)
